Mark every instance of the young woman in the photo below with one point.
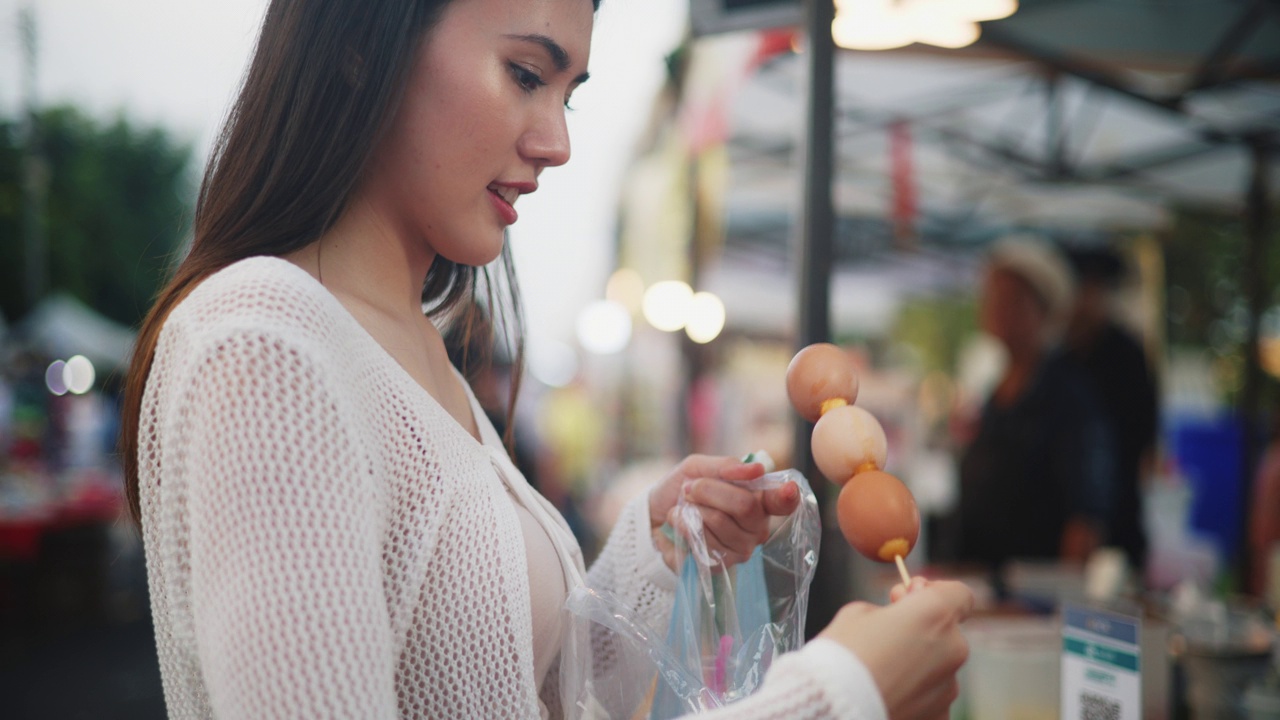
(332, 527)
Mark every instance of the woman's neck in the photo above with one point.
(367, 258)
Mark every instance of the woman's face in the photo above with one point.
(483, 114)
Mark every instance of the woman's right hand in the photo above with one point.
(913, 648)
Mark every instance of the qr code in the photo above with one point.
(1096, 707)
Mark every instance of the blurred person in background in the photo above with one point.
(1116, 365)
(1264, 523)
(332, 526)
(1035, 480)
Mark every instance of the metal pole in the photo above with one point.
(1055, 133)
(817, 217)
(693, 359)
(1257, 229)
(34, 169)
(815, 257)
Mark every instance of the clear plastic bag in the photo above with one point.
(727, 624)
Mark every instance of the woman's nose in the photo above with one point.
(546, 143)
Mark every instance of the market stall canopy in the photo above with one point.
(1071, 116)
(61, 327)
(1073, 119)
(1220, 41)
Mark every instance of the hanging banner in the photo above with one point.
(903, 185)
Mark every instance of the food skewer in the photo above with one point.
(902, 570)
(876, 512)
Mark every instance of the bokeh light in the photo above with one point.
(625, 287)
(54, 377)
(604, 327)
(552, 363)
(78, 375)
(706, 317)
(944, 33)
(666, 305)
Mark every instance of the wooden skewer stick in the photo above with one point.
(902, 570)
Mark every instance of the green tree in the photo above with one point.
(117, 209)
(1207, 307)
(937, 327)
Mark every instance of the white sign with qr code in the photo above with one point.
(1101, 665)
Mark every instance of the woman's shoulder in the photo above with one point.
(264, 284)
(264, 293)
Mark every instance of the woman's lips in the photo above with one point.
(505, 210)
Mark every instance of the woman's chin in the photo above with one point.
(478, 255)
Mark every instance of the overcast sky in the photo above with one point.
(176, 63)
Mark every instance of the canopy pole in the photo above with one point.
(815, 258)
(35, 169)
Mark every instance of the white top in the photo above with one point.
(547, 593)
(324, 540)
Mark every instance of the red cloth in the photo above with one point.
(902, 175)
(20, 536)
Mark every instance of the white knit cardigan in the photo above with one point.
(324, 540)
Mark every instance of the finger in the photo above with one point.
(729, 559)
(722, 467)
(897, 592)
(955, 595)
(740, 471)
(666, 548)
(733, 548)
(946, 601)
(724, 534)
(743, 506)
(677, 524)
(781, 501)
(718, 466)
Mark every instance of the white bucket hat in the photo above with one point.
(1042, 266)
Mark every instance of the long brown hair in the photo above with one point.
(324, 83)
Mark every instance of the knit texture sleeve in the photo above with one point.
(821, 680)
(287, 596)
(631, 568)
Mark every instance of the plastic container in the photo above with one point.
(1222, 656)
(1014, 669)
(1157, 670)
(1262, 699)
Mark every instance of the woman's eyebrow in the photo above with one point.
(559, 56)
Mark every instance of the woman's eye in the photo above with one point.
(525, 78)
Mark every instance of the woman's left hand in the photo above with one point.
(735, 520)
